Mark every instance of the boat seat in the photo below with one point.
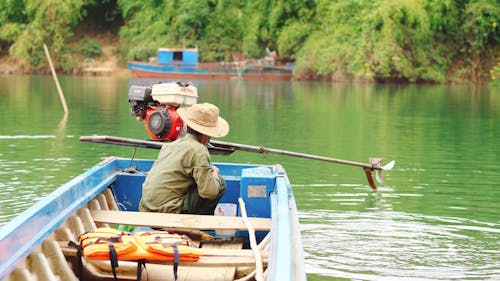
(178, 221)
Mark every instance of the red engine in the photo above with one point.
(161, 119)
(163, 123)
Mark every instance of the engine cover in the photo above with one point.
(163, 123)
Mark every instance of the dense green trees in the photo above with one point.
(26, 25)
(409, 40)
(384, 40)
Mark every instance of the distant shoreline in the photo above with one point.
(107, 64)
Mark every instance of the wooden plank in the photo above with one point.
(225, 273)
(228, 252)
(214, 261)
(178, 221)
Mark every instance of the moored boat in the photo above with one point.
(183, 63)
(262, 241)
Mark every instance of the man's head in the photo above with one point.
(204, 118)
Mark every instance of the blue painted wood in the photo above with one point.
(179, 56)
(280, 262)
(128, 191)
(20, 236)
(257, 179)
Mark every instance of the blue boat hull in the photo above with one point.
(209, 71)
(265, 190)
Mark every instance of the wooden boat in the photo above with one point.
(183, 63)
(264, 240)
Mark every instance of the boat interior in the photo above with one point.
(225, 257)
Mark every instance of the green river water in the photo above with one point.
(436, 217)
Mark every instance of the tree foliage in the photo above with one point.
(412, 40)
(383, 40)
(12, 21)
(50, 22)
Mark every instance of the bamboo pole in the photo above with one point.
(261, 149)
(56, 80)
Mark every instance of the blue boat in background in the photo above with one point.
(183, 63)
(261, 242)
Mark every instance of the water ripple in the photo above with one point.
(28, 137)
(394, 245)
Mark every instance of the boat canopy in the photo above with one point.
(178, 55)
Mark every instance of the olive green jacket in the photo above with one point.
(181, 164)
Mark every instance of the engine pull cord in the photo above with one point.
(133, 155)
(133, 168)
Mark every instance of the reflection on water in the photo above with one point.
(435, 217)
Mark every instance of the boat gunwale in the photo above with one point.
(218, 76)
(29, 229)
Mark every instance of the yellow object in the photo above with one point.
(158, 245)
(96, 244)
(162, 243)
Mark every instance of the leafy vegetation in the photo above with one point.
(91, 48)
(385, 40)
(31, 23)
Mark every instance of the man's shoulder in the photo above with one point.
(190, 142)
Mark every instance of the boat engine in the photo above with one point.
(157, 107)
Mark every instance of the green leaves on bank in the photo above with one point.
(384, 40)
(401, 40)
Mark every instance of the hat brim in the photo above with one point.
(220, 130)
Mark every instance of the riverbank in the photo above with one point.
(107, 64)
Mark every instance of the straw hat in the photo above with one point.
(204, 118)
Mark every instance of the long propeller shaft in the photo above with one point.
(225, 148)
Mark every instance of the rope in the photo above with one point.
(263, 246)
(259, 276)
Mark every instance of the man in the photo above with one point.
(182, 179)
